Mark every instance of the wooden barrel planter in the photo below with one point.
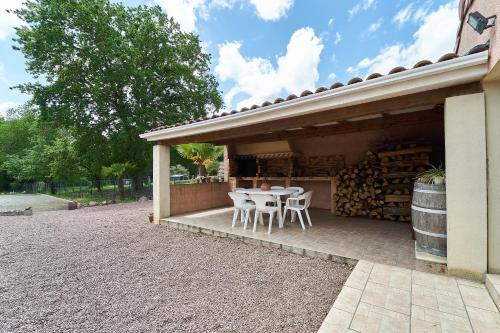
(428, 215)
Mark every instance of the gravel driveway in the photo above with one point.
(107, 269)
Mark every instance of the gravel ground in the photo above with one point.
(107, 269)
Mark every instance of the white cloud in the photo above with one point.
(427, 43)
(330, 22)
(272, 10)
(8, 20)
(361, 6)
(332, 76)
(375, 26)
(186, 12)
(417, 14)
(6, 106)
(183, 11)
(338, 38)
(259, 79)
(403, 15)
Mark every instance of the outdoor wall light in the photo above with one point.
(480, 23)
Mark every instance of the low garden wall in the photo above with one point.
(185, 198)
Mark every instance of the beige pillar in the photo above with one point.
(466, 192)
(161, 182)
(492, 93)
(226, 164)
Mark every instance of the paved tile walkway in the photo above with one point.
(382, 298)
(39, 202)
(378, 241)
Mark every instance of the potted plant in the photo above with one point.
(265, 185)
(435, 175)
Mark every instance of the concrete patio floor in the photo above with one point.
(381, 298)
(331, 237)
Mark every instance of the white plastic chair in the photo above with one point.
(238, 189)
(277, 188)
(242, 206)
(260, 207)
(294, 205)
(299, 190)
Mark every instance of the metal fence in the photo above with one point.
(107, 189)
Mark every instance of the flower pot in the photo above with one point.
(265, 186)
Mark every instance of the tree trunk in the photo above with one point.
(121, 188)
(98, 185)
(137, 184)
(53, 189)
(202, 170)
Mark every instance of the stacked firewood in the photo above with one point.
(400, 165)
(359, 189)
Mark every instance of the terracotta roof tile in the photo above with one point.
(355, 80)
(448, 56)
(397, 69)
(336, 85)
(320, 89)
(373, 76)
(422, 63)
(306, 93)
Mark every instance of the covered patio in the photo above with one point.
(333, 238)
(317, 135)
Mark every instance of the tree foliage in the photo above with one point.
(31, 149)
(109, 73)
(202, 154)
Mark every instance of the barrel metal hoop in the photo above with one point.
(428, 210)
(429, 191)
(427, 233)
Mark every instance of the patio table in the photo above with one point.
(277, 193)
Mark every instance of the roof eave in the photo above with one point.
(449, 73)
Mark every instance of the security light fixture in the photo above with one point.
(480, 23)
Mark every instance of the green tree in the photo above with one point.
(15, 136)
(50, 156)
(119, 171)
(202, 154)
(111, 72)
(179, 170)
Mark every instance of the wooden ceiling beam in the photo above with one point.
(432, 97)
(407, 119)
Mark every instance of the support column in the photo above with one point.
(466, 191)
(161, 182)
(227, 164)
(492, 93)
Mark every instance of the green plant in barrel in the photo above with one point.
(435, 175)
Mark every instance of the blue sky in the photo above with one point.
(263, 49)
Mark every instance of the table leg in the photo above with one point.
(280, 215)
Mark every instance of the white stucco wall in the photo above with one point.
(161, 182)
(492, 93)
(465, 140)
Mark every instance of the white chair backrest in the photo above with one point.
(238, 198)
(261, 200)
(299, 191)
(238, 189)
(277, 188)
(307, 197)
